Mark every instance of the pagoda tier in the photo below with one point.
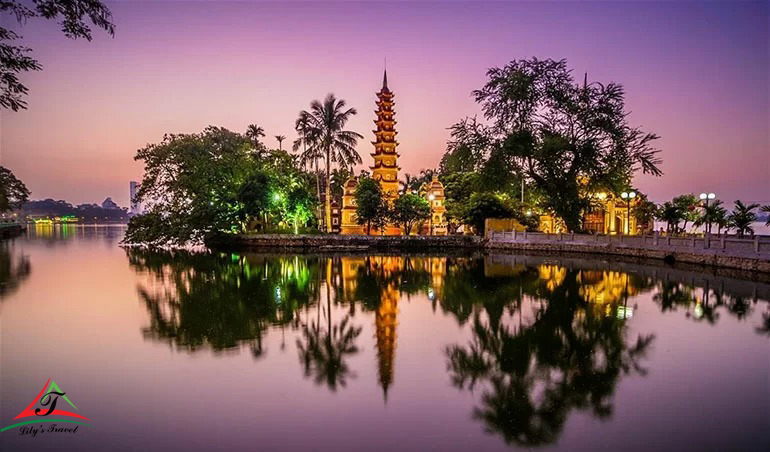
(385, 168)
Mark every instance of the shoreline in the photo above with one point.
(747, 266)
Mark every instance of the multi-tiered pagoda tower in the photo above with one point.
(385, 169)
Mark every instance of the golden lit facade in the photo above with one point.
(611, 215)
(433, 192)
(385, 168)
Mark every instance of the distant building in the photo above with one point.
(109, 204)
(136, 207)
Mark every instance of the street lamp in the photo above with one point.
(431, 197)
(705, 198)
(628, 196)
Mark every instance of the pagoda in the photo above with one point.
(385, 167)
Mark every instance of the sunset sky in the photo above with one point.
(696, 73)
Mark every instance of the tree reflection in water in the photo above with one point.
(546, 339)
(14, 268)
(569, 355)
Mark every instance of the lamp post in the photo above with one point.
(431, 197)
(628, 196)
(705, 198)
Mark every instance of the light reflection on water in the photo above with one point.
(417, 352)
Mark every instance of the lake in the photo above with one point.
(196, 350)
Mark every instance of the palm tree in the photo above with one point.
(308, 140)
(280, 139)
(766, 209)
(742, 217)
(338, 145)
(672, 215)
(408, 183)
(254, 133)
(710, 214)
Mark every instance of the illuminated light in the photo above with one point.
(277, 197)
(431, 294)
(529, 213)
(698, 311)
(431, 197)
(601, 195)
(278, 295)
(625, 312)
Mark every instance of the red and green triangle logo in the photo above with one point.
(45, 402)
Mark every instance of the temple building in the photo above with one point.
(612, 215)
(385, 171)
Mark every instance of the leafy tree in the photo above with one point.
(409, 209)
(338, 145)
(483, 206)
(13, 192)
(371, 208)
(300, 206)
(742, 217)
(73, 17)
(254, 197)
(688, 205)
(191, 184)
(569, 140)
(645, 210)
(409, 184)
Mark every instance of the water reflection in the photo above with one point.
(15, 267)
(547, 338)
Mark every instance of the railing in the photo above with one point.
(754, 247)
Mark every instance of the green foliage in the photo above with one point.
(214, 182)
(742, 217)
(671, 214)
(483, 206)
(645, 210)
(688, 205)
(409, 209)
(568, 140)
(325, 135)
(72, 16)
(13, 192)
(371, 208)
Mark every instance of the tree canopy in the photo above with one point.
(73, 17)
(568, 141)
(13, 192)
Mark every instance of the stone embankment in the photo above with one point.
(748, 254)
(321, 243)
(751, 254)
(10, 230)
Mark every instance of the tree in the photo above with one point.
(483, 206)
(710, 215)
(569, 140)
(254, 133)
(742, 217)
(371, 208)
(299, 207)
(254, 197)
(409, 184)
(308, 140)
(688, 205)
(13, 192)
(409, 209)
(645, 211)
(337, 144)
(672, 214)
(191, 184)
(280, 139)
(72, 15)
(766, 209)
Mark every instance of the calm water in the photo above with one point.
(164, 351)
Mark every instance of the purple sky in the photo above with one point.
(695, 73)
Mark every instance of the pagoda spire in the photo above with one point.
(385, 81)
